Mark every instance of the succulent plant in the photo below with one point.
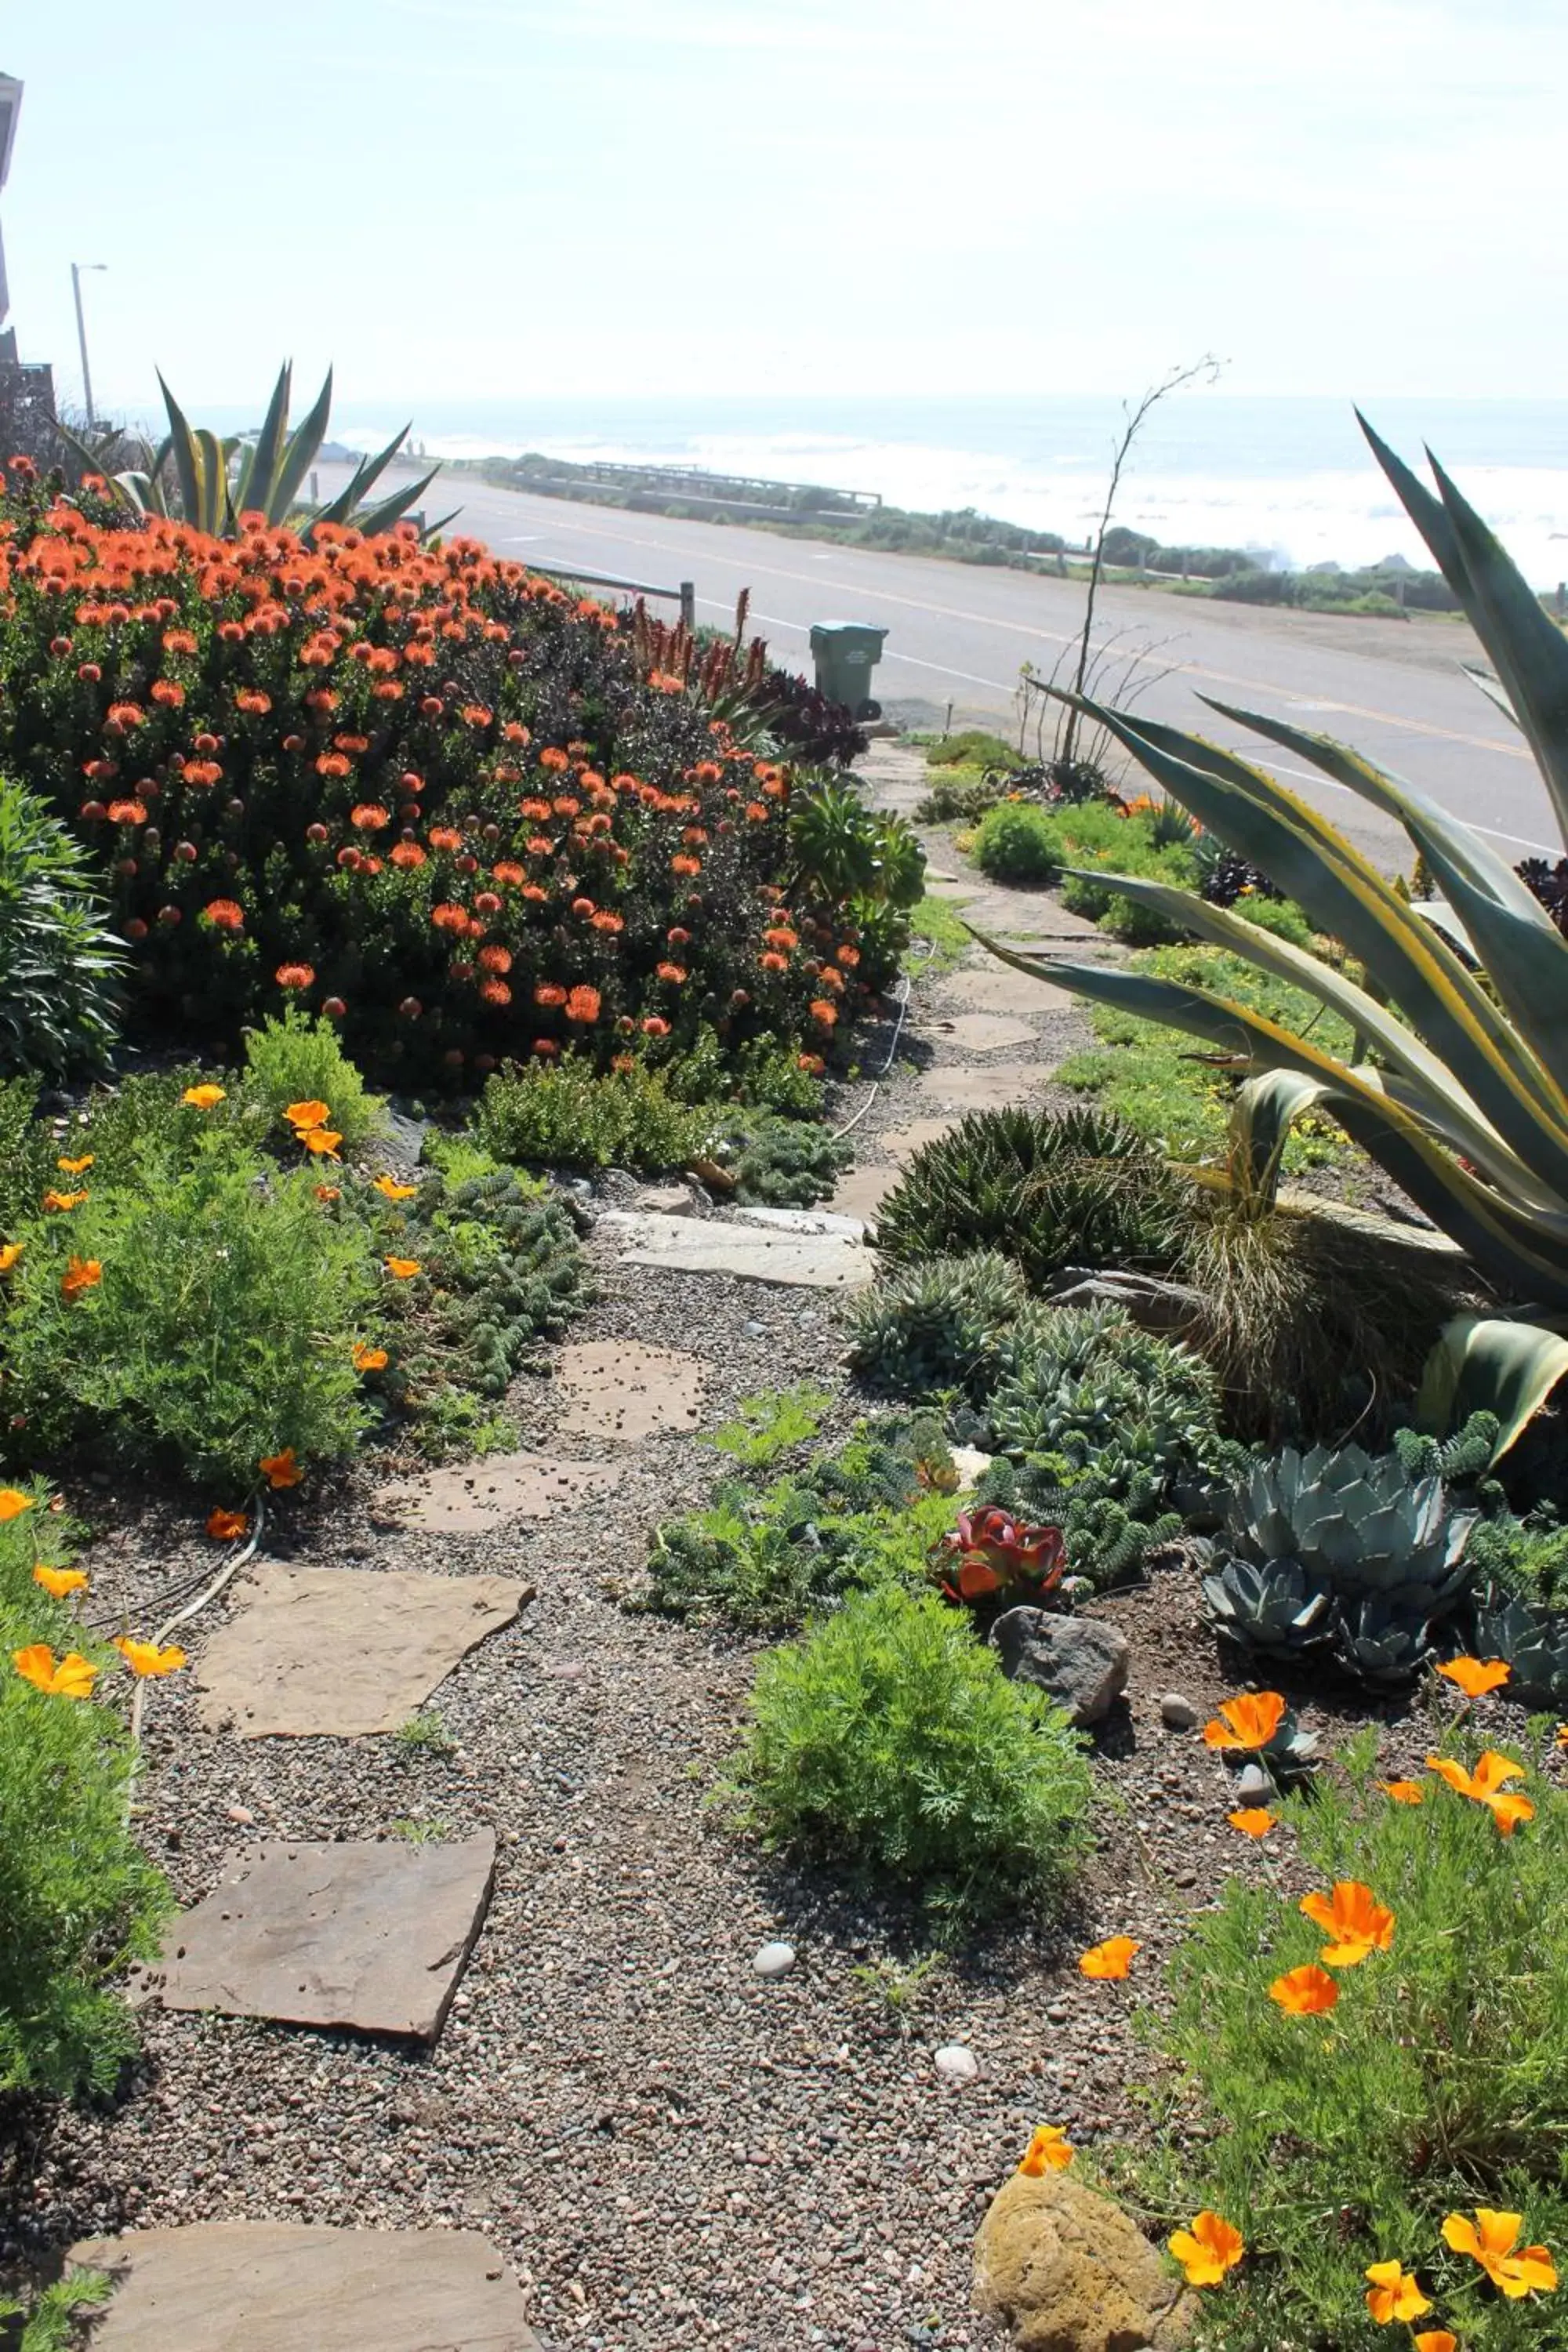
(1271, 1607)
(1107, 1539)
(1380, 1645)
(1088, 1384)
(1532, 1640)
(938, 1325)
(990, 1551)
(1047, 1189)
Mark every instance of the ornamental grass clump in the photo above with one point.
(1375, 2069)
(78, 1900)
(889, 1741)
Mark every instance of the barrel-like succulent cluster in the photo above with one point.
(1088, 1384)
(1343, 1552)
(937, 1325)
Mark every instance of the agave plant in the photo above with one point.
(1532, 1640)
(1459, 1089)
(217, 480)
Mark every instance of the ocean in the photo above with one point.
(1291, 479)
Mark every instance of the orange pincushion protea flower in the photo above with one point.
(1357, 1923)
(1485, 1787)
(1476, 1677)
(224, 915)
(1207, 2249)
(1305, 1992)
(71, 1676)
(583, 1004)
(1248, 1723)
(1490, 2240)
(1110, 1960)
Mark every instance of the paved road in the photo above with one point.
(959, 634)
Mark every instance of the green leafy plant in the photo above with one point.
(297, 1057)
(766, 1426)
(1046, 1189)
(1086, 1383)
(937, 1323)
(1109, 1536)
(59, 963)
(78, 1900)
(425, 1734)
(783, 1162)
(56, 2316)
(565, 1115)
(890, 1740)
(1437, 2083)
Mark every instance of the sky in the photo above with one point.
(486, 199)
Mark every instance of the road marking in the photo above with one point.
(1053, 638)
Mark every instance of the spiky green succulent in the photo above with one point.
(1531, 1639)
(1089, 1384)
(1271, 1607)
(1047, 1189)
(937, 1325)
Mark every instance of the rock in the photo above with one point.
(954, 2064)
(1081, 1662)
(668, 1201)
(1178, 1713)
(272, 2286)
(1067, 2271)
(970, 1464)
(472, 1497)
(1254, 1786)
(621, 1390)
(775, 1960)
(986, 1032)
(803, 1247)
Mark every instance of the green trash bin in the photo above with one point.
(845, 653)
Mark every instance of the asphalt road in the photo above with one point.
(958, 634)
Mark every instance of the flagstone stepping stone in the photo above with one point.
(993, 987)
(802, 1247)
(343, 1651)
(863, 1190)
(620, 1389)
(991, 1085)
(467, 1497)
(278, 2287)
(369, 1934)
(979, 1033)
(904, 1142)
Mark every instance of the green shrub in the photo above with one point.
(1018, 843)
(295, 1057)
(78, 1900)
(1439, 2083)
(1089, 1384)
(973, 747)
(1046, 1189)
(768, 1425)
(54, 2320)
(784, 1162)
(936, 1325)
(890, 1739)
(220, 1327)
(501, 1268)
(564, 1116)
(59, 966)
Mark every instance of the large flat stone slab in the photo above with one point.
(282, 2287)
(979, 1033)
(904, 1142)
(861, 1192)
(803, 1248)
(343, 1651)
(470, 1498)
(988, 1086)
(993, 987)
(370, 1934)
(620, 1389)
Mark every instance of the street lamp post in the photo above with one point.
(77, 268)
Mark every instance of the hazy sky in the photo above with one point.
(480, 198)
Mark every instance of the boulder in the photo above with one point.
(1065, 2271)
(1081, 1662)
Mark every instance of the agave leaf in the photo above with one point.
(217, 512)
(1265, 1109)
(188, 459)
(392, 509)
(434, 530)
(1492, 691)
(1481, 1364)
(259, 467)
(298, 454)
(365, 474)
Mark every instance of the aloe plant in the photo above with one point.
(217, 480)
(1460, 1090)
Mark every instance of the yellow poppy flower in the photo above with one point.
(204, 1098)
(1208, 2250)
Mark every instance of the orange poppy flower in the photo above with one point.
(75, 1167)
(391, 1189)
(1252, 1821)
(1109, 1960)
(1248, 1723)
(369, 1360)
(1305, 1992)
(207, 1097)
(9, 1253)
(328, 1192)
(307, 1114)
(72, 1677)
(224, 1525)
(321, 1141)
(1049, 2150)
(1474, 1676)
(53, 1200)
(59, 1582)
(1435, 2339)
(280, 1470)
(1485, 1786)
(1394, 2294)
(81, 1274)
(402, 1267)
(146, 1660)
(1355, 1921)
(13, 1503)
(1490, 2240)
(1207, 2251)
(1404, 1792)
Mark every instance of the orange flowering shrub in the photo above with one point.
(404, 787)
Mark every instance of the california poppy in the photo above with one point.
(75, 1167)
(72, 1677)
(1305, 1992)
(146, 1660)
(1404, 1792)
(1355, 1921)
(280, 1470)
(1207, 2251)
(369, 1360)
(1249, 1722)
(1490, 2240)
(1049, 2150)
(1485, 1786)
(58, 1582)
(322, 1142)
(13, 1503)
(307, 1114)
(204, 1098)
(402, 1267)
(1435, 2339)
(224, 1525)
(9, 1253)
(1252, 1821)
(1474, 1676)
(391, 1189)
(1394, 2294)
(53, 1200)
(81, 1274)
(1112, 1959)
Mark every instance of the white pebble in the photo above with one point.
(956, 2064)
(775, 1960)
